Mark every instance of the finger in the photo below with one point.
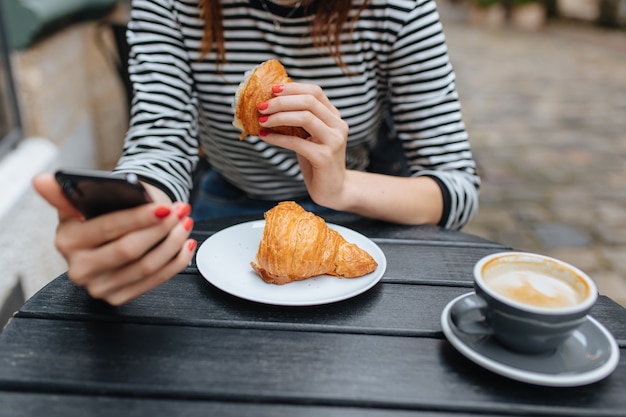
(112, 226)
(176, 265)
(88, 265)
(297, 89)
(144, 266)
(47, 186)
(314, 153)
(334, 139)
(301, 102)
(303, 110)
(317, 130)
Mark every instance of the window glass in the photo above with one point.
(10, 129)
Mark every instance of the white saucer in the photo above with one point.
(589, 355)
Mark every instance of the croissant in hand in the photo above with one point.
(297, 245)
(255, 89)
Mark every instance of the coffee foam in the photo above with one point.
(536, 285)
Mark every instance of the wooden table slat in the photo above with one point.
(326, 369)
(386, 309)
(28, 404)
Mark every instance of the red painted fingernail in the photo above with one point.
(183, 210)
(263, 119)
(263, 133)
(188, 223)
(263, 106)
(277, 89)
(162, 212)
(191, 245)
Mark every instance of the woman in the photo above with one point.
(352, 62)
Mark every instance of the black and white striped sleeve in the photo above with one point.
(162, 142)
(427, 112)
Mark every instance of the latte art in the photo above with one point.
(535, 289)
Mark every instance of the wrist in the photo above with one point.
(349, 196)
(157, 194)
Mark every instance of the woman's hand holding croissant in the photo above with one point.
(321, 156)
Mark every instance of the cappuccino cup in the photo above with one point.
(530, 303)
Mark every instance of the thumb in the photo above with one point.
(51, 191)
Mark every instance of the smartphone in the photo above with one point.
(95, 193)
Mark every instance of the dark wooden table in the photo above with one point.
(188, 349)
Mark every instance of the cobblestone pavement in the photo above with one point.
(546, 114)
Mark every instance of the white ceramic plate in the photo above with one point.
(589, 355)
(224, 260)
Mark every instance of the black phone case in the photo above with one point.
(95, 193)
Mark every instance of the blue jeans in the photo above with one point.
(217, 198)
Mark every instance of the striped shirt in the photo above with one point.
(397, 61)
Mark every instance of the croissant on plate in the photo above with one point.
(297, 245)
(255, 89)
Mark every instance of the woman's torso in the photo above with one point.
(358, 90)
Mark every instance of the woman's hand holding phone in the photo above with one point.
(120, 255)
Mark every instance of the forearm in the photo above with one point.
(161, 144)
(416, 200)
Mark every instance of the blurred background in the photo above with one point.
(542, 85)
(543, 90)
